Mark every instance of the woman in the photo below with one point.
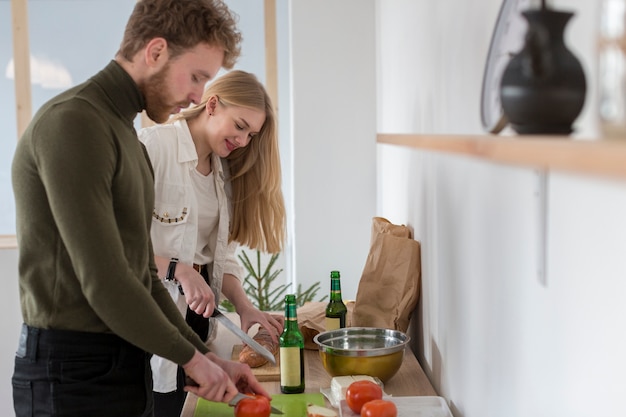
(217, 185)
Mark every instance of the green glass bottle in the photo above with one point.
(335, 310)
(291, 351)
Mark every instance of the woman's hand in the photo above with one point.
(198, 295)
(250, 315)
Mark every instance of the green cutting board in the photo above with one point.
(292, 405)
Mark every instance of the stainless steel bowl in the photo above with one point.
(362, 351)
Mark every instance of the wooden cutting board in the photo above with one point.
(267, 372)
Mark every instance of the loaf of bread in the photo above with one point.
(253, 359)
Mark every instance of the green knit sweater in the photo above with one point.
(84, 194)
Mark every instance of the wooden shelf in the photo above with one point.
(561, 153)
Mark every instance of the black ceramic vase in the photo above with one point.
(543, 86)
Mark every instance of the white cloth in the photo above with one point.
(208, 217)
(174, 228)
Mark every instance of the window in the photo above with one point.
(69, 42)
(8, 137)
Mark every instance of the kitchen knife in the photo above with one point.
(241, 396)
(236, 398)
(243, 336)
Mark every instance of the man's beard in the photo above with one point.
(156, 96)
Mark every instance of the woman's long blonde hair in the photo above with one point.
(258, 207)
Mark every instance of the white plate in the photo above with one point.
(409, 407)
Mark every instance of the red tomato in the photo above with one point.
(360, 392)
(379, 408)
(257, 406)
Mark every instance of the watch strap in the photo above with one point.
(171, 270)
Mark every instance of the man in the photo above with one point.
(93, 306)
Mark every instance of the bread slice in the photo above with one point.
(253, 358)
(313, 410)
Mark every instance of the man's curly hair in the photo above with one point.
(183, 24)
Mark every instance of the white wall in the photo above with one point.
(494, 339)
(9, 327)
(333, 105)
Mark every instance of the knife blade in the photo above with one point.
(243, 336)
(241, 396)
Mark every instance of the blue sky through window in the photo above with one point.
(69, 42)
(8, 123)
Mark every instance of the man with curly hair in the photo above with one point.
(93, 305)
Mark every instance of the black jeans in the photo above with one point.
(65, 373)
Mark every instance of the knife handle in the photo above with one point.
(189, 381)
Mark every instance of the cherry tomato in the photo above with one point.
(360, 392)
(379, 408)
(257, 406)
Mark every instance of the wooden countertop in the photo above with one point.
(410, 379)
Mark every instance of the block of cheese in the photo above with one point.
(339, 384)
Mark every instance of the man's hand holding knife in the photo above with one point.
(238, 379)
(220, 380)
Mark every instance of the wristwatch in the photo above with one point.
(171, 270)
(171, 274)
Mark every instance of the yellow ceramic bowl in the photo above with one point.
(362, 351)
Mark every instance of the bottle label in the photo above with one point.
(332, 323)
(290, 366)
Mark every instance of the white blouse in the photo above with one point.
(175, 220)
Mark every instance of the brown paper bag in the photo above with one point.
(311, 320)
(390, 283)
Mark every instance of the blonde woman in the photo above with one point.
(217, 186)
